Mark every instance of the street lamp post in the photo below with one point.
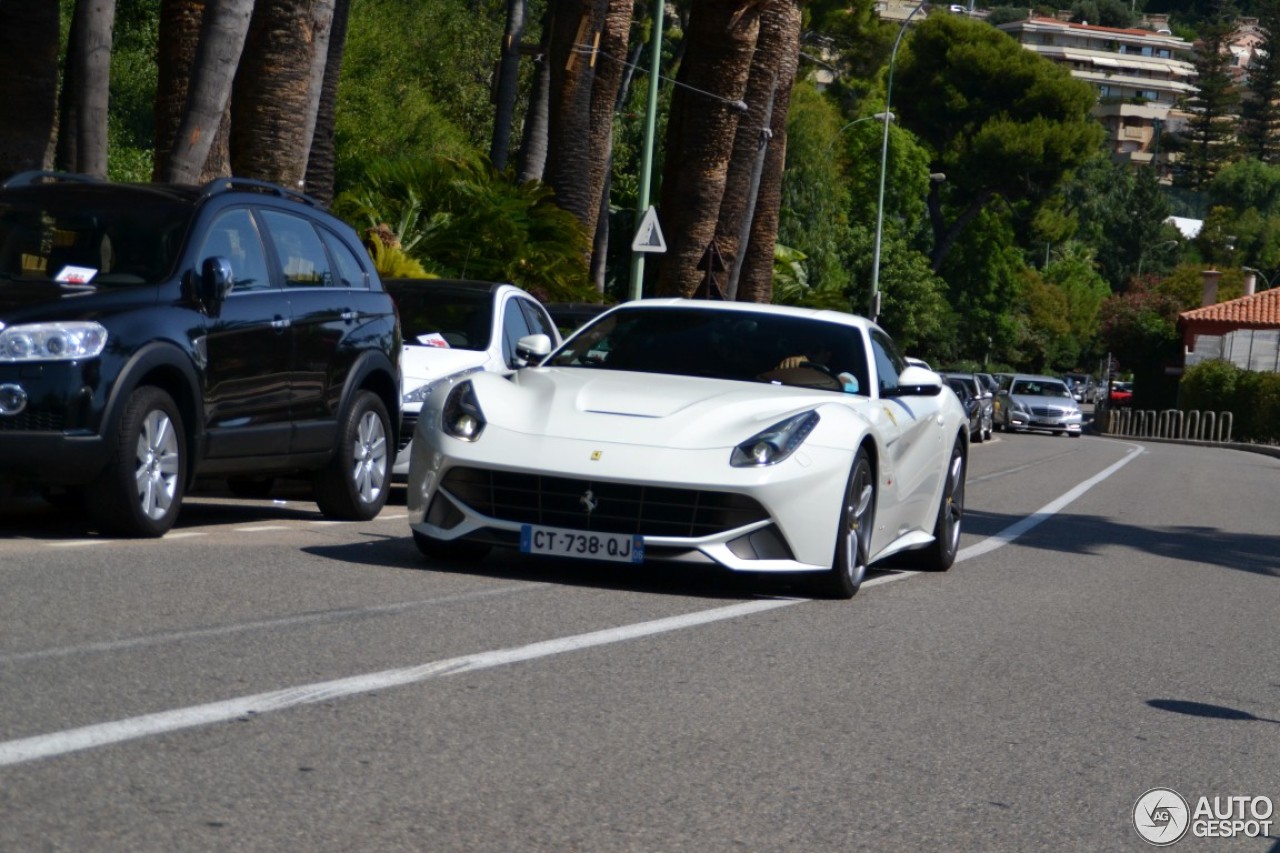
(874, 306)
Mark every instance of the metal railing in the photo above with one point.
(1168, 424)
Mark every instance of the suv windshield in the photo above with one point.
(85, 237)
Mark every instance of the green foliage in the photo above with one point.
(1139, 327)
(984, 274)
(814, 213)
(394, 262)
(466, 220)
(1253, 398)
(131, 123)
(415, 81)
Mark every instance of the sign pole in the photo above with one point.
(646, 160)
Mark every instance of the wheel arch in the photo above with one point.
(373, 371)
(169, 368)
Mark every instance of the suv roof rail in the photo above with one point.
(34, 176)
(228, 184)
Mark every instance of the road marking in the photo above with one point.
(148, 725)
(263, 529)
(184, 534)
(77, 543)
(265, 624)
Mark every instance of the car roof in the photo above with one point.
(752, 308)
(1037, 377)
(448, 285)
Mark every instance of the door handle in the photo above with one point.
(350, 316)
(280, 323)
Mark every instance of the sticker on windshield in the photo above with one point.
(75, 275)
(432, 339)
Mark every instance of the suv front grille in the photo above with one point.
(617, 507)
(32, 421)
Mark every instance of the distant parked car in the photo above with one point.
(1121, 394)
(977, 402)
(1040, 403)
(1082, 386)
(456, 327)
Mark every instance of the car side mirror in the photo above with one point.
(918, 382)
(216, 281)
(532, 349)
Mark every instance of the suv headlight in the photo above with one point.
(776, 443)
(52, 342)
(462, 416)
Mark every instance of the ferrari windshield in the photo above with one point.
(722, 344)
(74, 237)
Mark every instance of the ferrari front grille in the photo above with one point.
(601, 506)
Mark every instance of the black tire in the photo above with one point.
(140, 491)
(355, 484)
(853, 541)
(250, 487)
(449, 549)
(941, 554)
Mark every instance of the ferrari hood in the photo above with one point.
(641, 408)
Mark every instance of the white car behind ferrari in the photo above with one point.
(756, 437)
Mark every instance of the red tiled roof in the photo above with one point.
(1261, 310)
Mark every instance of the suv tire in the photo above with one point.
(355, 483)
(140, 490)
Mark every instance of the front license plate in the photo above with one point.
(583, 544)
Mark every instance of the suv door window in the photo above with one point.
(234, 236)
(889, 363)
(299, 252)
(349, 271)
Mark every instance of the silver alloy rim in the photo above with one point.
(156, 476)
(855, 566)
(370, 458)
(955, 502)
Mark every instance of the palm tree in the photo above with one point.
(212, 71)
(323, 160)
(773, 72)
(586, 70)
(276, 95)
(82, 137)
(720, 41)
(28, 84)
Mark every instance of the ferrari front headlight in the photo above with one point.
(463, 418)
(52, 342)
(776, 443)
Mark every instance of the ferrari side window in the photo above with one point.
(889, 364)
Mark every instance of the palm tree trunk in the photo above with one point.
(87, 88)
(29, 34)
(777, 52)
(225, 25)
(533, 145)
(721, 38)
(508, 84)
(276, 95)
(323, 162)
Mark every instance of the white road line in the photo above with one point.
(184, 534)
(264, 624)
(77, 543)
(88, 737)
(262, 529)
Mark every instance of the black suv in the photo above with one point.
(151, 333)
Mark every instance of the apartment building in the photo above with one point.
(1141, 76)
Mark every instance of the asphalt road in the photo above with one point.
(261, 679)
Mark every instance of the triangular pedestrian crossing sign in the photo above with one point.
(649, 234)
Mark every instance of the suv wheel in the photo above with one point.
(353, 486)
(140, 490)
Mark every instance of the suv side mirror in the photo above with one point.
(532, 349)
(215, 282)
